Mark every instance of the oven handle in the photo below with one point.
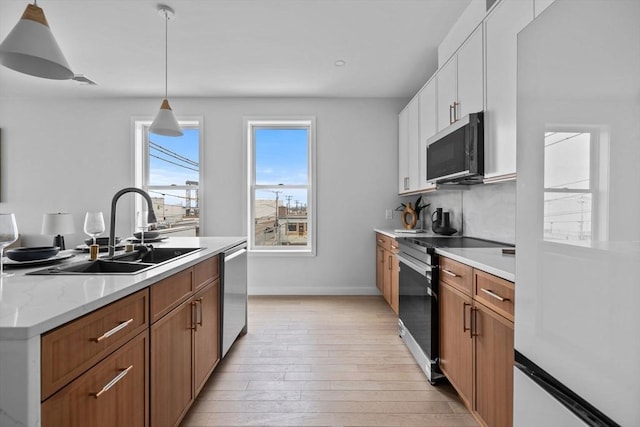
(419, 269)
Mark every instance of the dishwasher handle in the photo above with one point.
(234, 253)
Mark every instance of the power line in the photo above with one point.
(172, 153)
(173, 163)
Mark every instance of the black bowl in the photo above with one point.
(32, 254)
(147, 235)
(101, 241)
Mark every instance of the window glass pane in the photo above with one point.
(567, 216)
(174, 160)
(176, 208)
(281, 156)
(280, 216)
(567, 160)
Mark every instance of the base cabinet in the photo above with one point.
(476, 340)
(387, 269)
(112, 393)
(185, 348)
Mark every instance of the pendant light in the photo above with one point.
(165, 122)
(30, 48)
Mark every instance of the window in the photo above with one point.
(168, 168)
(281, 196)
(573, 175)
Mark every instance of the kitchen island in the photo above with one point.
(31, 306)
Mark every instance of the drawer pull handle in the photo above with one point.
(380, 240)
(113, 381)
(199, 301)
(493, 295)
(450, 273)
(107, 334)
(194, 316)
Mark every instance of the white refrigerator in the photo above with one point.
(577, 310)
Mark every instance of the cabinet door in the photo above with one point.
(447, 95)
(388, 266)
(90, 401)
(414, 143)
(171, 366)
(380, 264)
(456, 343)
(403, 150)
(494, 367)
(395, 284)
(471, 75)
(501, 30)
(428, 128)
(207, 333)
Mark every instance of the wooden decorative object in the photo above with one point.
(409, 212)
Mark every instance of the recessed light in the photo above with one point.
(340, 63)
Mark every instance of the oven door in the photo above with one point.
(418, 309)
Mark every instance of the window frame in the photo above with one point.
(598, 177)
(289, 122)
(140, 127)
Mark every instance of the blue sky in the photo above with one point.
(281, 156)
(164, 173)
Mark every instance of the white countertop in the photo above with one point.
(32, 305)
(491, 260)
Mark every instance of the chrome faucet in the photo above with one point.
(151, 218)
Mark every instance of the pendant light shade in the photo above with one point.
(30, 48)
(165, 122)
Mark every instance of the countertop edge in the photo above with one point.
(16, 333)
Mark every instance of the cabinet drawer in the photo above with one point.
(73, 348)
(206, 272)
(494, 292)
(458, 275)
(170, 292)
(387, 242)
(112, 393)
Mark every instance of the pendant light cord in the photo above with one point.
(166, 51)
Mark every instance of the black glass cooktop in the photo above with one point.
(454, 242)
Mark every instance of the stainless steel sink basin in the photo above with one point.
(128, 263)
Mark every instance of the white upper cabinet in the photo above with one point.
(447, 92)
(471, 75)
(501, 29)
(428, 128)
(403, 150)
(408, 142)
(460, 82)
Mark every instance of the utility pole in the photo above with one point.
(276, 225)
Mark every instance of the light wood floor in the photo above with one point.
(323, 361)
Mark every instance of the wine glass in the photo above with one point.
(142, 223)
(8, 235)
(94, 224)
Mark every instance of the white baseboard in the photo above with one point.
(302, 290)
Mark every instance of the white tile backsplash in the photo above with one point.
(485, 211)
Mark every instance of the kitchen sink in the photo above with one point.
(127, 263)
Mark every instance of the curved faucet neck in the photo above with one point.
(151, 218)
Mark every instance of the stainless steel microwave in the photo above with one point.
(456, 154)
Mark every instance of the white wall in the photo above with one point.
(72, 155)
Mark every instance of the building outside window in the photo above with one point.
(168, 168)
(281, 180)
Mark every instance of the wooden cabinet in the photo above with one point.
(112, 393)
(387, 267)
(476, 340)
(501, 29)
(461, 82)
(185, 342)
(408, 145)
(456, 343)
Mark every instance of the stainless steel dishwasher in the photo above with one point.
(234, 295)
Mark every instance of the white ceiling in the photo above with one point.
(231, 48)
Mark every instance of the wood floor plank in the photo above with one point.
(323, 361)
